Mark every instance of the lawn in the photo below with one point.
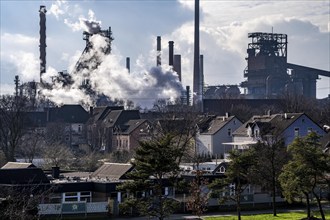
(280, 216)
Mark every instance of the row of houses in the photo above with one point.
(113, 128)
(97, 192)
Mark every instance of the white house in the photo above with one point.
(214, 132)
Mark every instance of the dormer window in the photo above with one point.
(256, 133)
(249, 131)
(222, 169)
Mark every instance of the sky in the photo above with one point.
(135, 24)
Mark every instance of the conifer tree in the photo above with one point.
(306, 171)
(156, 165)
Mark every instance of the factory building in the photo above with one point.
(268, 73)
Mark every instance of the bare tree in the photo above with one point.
(57, 155)
(12, 122)
(31, 145)
(21, 202)
(56, 152)
(198, 200)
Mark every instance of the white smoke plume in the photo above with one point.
(106, 76)
(90, 24)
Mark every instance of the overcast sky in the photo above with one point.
(136, 23)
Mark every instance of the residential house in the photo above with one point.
(213, 132)
(67, 122)
(127, 136)
(70, 120)
(106, 122)
(286, 126)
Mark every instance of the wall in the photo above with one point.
(304, 123)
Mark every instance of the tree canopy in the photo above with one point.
(306, 170)
(156, 163)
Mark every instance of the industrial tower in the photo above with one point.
(268, 73)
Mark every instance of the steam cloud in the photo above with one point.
(106, 76)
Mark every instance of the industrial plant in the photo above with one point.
(268, 74)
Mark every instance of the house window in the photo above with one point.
(77, 196)
(229, 131)
(79, 128)
(222, 170)
(303, 120)
(309, 130)
(296, 132)
(234, 122)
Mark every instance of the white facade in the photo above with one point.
(212, 144)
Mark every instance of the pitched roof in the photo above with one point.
(16, 165)
(216, 124)
(120, 117)
(269, 124)
(35, 119)
(113, 170)
(68, 114)
(22, 176)
(131, 125)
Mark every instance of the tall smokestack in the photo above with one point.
(16, 85)
(159, 49)
(170, 53)
(197, 100)
(128, 65)
(177, 65)
(42, 41)
(188, 95)
(201, 75)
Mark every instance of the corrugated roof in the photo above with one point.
(112, 170)
(16, 165)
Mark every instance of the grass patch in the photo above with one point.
(280, 216)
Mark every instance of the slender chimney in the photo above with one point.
(170, 52)
(177, 65)
(201, 75)
(128, 64)
(196, 86)
(42, 40)
(16, 85)
(159, 51)
(188, 95)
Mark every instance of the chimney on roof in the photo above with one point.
(227, 114)
(269, 113)
(55, 172)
